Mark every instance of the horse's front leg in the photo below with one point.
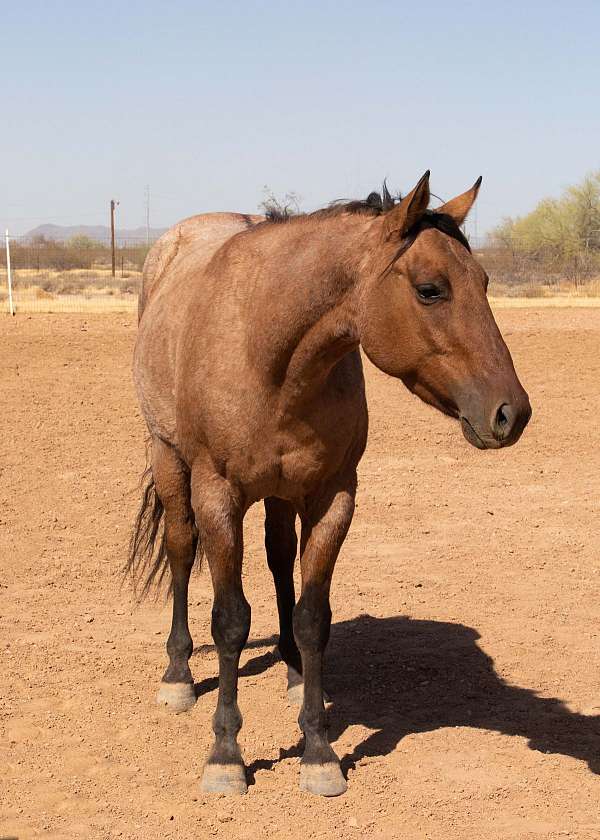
(219, 517)
(327, 521)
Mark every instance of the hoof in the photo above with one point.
(176, 697)
(295, 687)
(224, 778)
(323, 779)
(295, 690)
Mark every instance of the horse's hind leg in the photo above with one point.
(281, 545)
(172, 482)
(219, 516)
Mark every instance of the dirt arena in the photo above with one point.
(464, 661)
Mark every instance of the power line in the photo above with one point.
(48, 216)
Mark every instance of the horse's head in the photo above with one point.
(425, 318)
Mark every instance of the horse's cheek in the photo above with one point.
(385, 331)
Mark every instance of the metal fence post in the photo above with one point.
(9, 275)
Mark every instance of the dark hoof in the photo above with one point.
(323, 779)
(295, 690)
(224, 778)
(176, 697)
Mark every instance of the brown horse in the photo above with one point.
(249, 376)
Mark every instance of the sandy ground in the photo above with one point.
(464, 658)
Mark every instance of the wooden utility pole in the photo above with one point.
(148, 215)
(11, 307)
(113, 204)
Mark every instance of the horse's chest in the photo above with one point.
(305, 465)
(291, 451)
(301, 456)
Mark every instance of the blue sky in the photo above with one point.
(208, 102)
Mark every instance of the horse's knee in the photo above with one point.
(312, 622)
(231, 623)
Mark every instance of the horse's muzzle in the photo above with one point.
(504, 426)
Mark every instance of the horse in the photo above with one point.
(248, 370)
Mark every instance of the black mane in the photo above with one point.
(375, 204)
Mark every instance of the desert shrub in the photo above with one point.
(560, 238)
(80, 252)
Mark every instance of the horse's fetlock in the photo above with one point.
(180, 646)
(227, 721)
(312, 723)
(318, 750)
(288, 650)
(178, 672)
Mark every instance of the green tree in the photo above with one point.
(83, 243)
(558, 229)
(584, 200)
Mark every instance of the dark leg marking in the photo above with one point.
(173, 487)
(281, 544)
(329, 518)
(219, 517)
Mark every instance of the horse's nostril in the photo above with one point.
(503, 421)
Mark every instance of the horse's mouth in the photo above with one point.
(487, 442)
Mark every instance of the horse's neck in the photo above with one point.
(322, 326)
(317, 353)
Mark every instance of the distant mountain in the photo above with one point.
(100, 233)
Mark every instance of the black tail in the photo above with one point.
(147, 560)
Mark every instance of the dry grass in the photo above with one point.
(76, 290)
(74, 303)
(43, 302)
(95, 290)
(556, 301)
(76, 281)
(36, 299)
(523, 288)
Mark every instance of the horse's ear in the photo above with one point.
(458, 208)
(408, 212)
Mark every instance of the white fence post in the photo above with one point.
(9, 275)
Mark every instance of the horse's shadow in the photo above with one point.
(398, 676)
(254, 666)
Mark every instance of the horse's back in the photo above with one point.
(193, 240)
(173, 267)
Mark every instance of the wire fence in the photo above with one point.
(77, 276)
(74, 276)
(517, 271)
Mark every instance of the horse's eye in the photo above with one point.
(429, 292)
